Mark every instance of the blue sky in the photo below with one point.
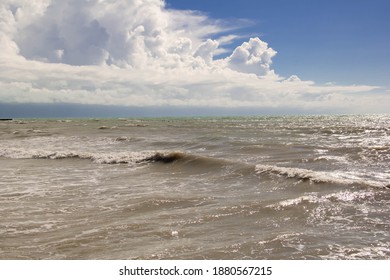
(194, 57)
(343, 41)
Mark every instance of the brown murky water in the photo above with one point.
(196, 188)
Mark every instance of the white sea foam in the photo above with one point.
(310, 198)
(334, 177)
(313, 198)
(98, 157)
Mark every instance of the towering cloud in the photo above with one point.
(139, 53)
(113, 32)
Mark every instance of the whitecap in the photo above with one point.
(335, 177)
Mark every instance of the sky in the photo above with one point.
(186, 57)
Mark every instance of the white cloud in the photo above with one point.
(206, 50)
(139, 53)
(252, 57)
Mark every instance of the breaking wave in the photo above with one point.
(344, 196)
(335, 177)
(115, 157)
(197, 162)
(164, 157)
(103, 158)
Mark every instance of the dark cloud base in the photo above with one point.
(62, 110)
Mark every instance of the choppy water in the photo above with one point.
(196, 188)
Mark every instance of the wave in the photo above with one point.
(141, 157)
(335, 177)
(199, 163)
(187, 159)
(344, 196)
(103, 157)
(164, 157)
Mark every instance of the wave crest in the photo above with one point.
(130, 157)
(164, 157)
(103, 157)
(335, 177)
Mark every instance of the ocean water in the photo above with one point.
(309, 187)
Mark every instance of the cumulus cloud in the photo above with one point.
(252, 57)
(94, 32)
(139, 53)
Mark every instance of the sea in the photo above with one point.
(205, 188)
